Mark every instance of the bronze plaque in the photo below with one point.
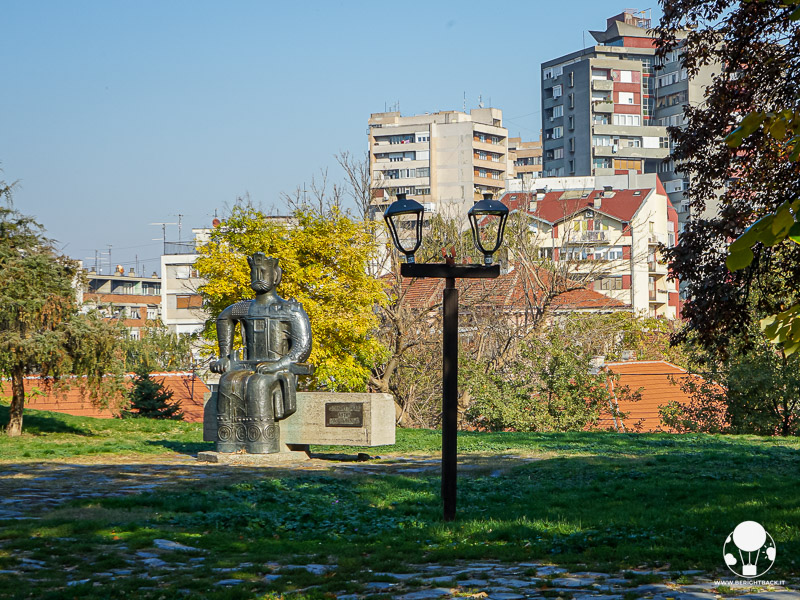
(344, 414)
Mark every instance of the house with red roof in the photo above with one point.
(609, 235)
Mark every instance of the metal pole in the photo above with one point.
(449, 397)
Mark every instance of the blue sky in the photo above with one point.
(116, 115)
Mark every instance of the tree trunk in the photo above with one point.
(14, 427)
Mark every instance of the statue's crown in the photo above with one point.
(261, 260)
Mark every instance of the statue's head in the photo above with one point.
(265, 274)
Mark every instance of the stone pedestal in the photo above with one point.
(324, 418)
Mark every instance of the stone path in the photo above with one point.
(27, 490)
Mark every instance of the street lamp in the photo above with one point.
(481, 217)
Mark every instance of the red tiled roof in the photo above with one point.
(655, 378)
(557, 206)
(510, 291)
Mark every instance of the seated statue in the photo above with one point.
(258, 386)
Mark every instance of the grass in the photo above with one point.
(595, 501)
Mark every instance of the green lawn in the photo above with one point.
(606, 501)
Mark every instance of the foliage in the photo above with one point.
(756, 390)
(323, 254)
(158, 348)
(41, 330)
(753, 50)
(549, 387)
(150, 399)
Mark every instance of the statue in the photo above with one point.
(258, 387)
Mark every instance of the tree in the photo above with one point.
(753, 104)
(150, 399)
(158, 348)
(756, 390)
(41, 330)
(547, 387)
(323, 253)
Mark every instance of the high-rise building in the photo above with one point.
(526, 158)
(445, 160)
(606, 108)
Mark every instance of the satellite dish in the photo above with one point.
(216, 222)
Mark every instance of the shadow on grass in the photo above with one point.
(188, 448)
(42, 423)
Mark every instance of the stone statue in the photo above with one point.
(258, 387)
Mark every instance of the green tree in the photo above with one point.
(41, 330)
(150, 399)
(751, 104)
(323, 253)
(158, 348)
(547, 387)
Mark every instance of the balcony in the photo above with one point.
(630, 151)
(600, 106)
(592, 236)
(602, 85)
(655, 238)
(180, 248)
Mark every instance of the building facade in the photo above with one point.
(526, 158)
(127, 297)
(606, 232)
(445, 160)
(182, 305)
(606, 108)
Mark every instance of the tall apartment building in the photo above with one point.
(605, 108)
(445, 160)
(182, 307)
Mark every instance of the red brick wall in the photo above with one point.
(39, 396)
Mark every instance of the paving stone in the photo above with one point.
(229, 582)
(440, 579)
(176, 546)
(589, 574)
(425, 594)
(143, 554)
(401, 576)
(380, 585)
(572, 582)
(347, 597)
(542, 571)
(271, 577)
(516, 582)
(652, 588)
(314, 569)
(505, 596)
(472, 583)
(155, 563)
(77, 582)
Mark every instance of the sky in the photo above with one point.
(117, 116)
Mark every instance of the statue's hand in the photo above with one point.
(221, 365)
(269, 367)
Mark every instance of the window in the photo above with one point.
(572, 100)
(626, 98)
(628, 165)
(572, 144)
(601, 140)
(601, 163)
(626, 76)
(546, 253)
(183, 272)
(558, 132)
(611, 283)
(558, 111)
(620, 119)
(571, 166)
(152, 313)
(133, 313)
(557, 91)
(558, 153)
(571, 79)
(571, 122)
(423, 172)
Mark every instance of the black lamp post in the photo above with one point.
(398, 217)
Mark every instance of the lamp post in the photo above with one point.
(407, 214)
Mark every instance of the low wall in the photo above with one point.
(187, 389)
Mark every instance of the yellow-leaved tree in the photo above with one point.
(324, 256)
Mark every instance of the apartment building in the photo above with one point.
(607, 230)
(182, 306)
(606, 108)
(526, 158)
(446, 160)
(128, 297)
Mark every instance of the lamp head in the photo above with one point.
(405, 213)
(483, 215)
